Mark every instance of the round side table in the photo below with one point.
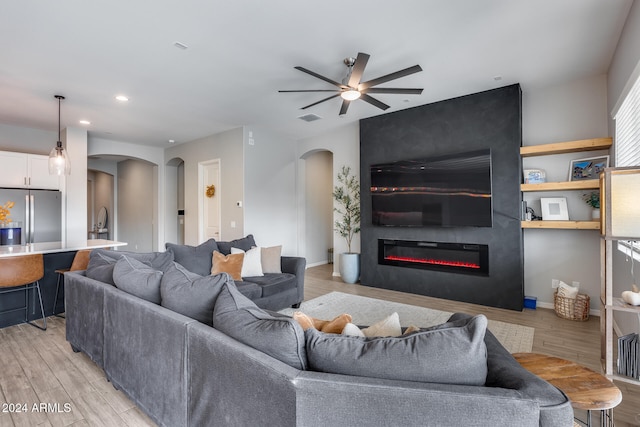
(585, 388)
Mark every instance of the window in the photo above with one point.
(627, 143)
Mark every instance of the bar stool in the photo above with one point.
(21, 273)
(80, 262)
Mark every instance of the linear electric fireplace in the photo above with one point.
(464, 258)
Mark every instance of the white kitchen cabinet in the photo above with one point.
(21, 170)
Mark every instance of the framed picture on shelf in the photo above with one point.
(589, 168)
(534, 176)
(554, 209)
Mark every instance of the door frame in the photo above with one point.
(201, 191)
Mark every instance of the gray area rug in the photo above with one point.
(367, 311)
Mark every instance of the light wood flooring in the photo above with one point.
(39, 367)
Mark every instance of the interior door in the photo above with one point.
(210, 190)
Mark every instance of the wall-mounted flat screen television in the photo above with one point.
(445, 191)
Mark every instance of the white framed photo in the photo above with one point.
(554, 209)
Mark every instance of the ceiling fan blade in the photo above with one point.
(345, 107)
(309, 90)
(326, 79)
(358, 69)
(392, 76)
(374, 101)
(322, 100)
(393, 90)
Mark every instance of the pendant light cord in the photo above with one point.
(60, 98)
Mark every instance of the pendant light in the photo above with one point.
(58, 159)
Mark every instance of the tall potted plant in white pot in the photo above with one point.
(347, 197)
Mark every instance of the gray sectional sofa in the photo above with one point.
(240, 365)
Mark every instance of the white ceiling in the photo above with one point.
(242, 52)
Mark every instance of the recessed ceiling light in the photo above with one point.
(122, 98)
(85, 122)
(172, 141)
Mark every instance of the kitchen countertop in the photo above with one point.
(52, 247)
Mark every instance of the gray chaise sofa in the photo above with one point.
(250, 368)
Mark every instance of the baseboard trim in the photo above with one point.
(549, 305)
(317, 264)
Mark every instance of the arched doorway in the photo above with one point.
(174, 190)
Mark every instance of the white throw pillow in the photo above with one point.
(567, 291)
(252, 263)
(352, 330)
(388, 327)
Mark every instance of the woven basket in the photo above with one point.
(570, 308)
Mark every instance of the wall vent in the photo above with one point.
(310, 117)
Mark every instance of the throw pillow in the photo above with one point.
(352, 330)
(251, 263)
(387, 327)
(102, 262)
(189, 293)
(567, 291)
(100, 267)
(231, 264)
(196, 259)
(137, 278)
(334, 326)
(271, 262)
(452, 353)
(274, 334)
(245, 244)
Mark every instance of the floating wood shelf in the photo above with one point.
(620, 305)
(587, 184)
(567, 225)
(566, 147)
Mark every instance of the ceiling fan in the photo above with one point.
(352, 88)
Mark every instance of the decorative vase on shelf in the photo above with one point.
(349, 267)
(595, 214)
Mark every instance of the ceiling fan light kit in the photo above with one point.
(352, 87)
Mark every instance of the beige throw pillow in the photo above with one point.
(271, 259)
(231, 264)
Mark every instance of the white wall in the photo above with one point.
(318, 207)
(624, 65)
(270, 189)
(344, 143)
(573, 111)
(135, 204)
(27, 140)
(75, 186)
(228, 147)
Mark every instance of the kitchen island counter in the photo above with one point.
(56, 256)
(54, 247)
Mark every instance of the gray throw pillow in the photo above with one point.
(452, 353)
(102, 262)
(196, 259)
(100, 267)
(277, 335)
(245, 244)
(137, 278)
(191, 294)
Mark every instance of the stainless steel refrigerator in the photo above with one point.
(38, 214)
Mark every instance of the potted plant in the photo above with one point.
(593, 200)
(347, 197)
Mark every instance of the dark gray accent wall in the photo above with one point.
(491, 119)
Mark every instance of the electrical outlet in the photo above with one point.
(555, 283)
